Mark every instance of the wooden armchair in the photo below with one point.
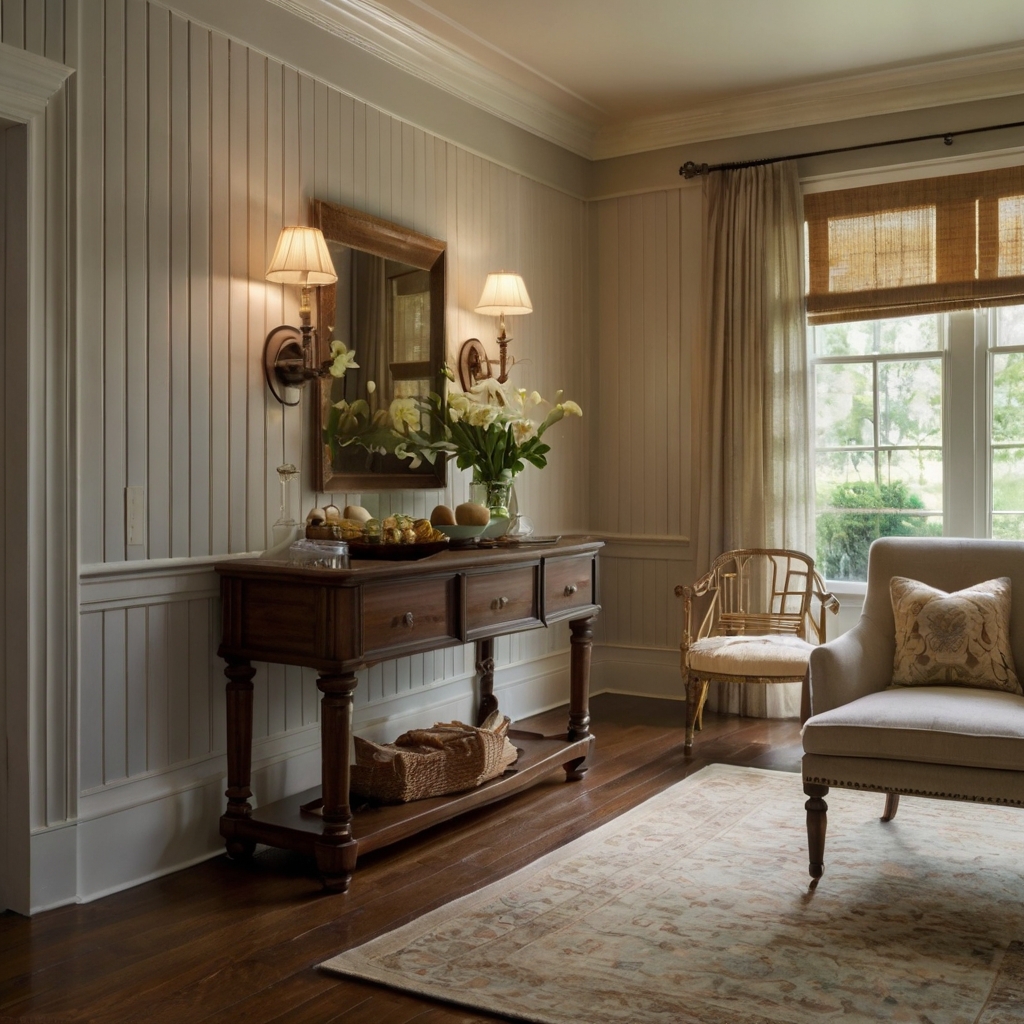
(758, 627)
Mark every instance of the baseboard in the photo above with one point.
(637, 671)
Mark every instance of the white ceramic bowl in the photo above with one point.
(495, 528)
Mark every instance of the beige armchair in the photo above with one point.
(760, 626)
(949, 742)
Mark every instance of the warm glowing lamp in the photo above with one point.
(504, 295)
(301, 257)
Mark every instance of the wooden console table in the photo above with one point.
(341, 620)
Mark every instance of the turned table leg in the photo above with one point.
(581, 644)
(816, 822)
(239, 722)
(485, 675)
(336, 849)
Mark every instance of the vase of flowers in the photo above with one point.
(490, 430)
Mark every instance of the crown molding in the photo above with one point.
(981, 76)
(27, 82)
(410, 49)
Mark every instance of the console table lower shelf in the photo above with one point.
(284, 824)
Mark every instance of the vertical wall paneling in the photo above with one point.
(114, 266)
(258, 458)
(182, 419)
(200, 291)
(136, 269)
(158, 412)
(219, 291)
(199, 149)
(89, 291)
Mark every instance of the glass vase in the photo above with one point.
(494, 494)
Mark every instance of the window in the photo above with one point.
(919, 431)
(916, 327)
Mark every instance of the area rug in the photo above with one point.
(694, 908)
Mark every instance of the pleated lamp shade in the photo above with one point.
(504, 294)
(301, 257)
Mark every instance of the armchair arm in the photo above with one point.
(699, 589)
(829, 603)
(858, 663)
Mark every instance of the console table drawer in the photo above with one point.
(568, 584)
(497, 598)
(401, 616)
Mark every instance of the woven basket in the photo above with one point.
(448, 758)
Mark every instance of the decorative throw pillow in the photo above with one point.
(959, 639)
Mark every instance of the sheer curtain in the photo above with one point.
(751, 400)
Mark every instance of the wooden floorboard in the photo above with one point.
(239, 942)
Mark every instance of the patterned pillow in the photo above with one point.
(959, 639)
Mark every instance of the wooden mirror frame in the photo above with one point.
(379, 237)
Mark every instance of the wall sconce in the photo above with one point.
(503, 295)
(301, 257)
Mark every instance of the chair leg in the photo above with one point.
(696, 692)
(892, 803)
(816, 822)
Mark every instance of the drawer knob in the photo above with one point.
(502, 601)
(407, 619)
(570, 589)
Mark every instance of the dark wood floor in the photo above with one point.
(234, 942)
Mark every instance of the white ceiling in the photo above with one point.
(620, 75)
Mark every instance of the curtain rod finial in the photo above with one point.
(692, 170)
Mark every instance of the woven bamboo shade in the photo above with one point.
(913, 247)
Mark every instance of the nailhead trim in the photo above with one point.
(843, 784)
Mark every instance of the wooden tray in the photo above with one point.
(396, 552)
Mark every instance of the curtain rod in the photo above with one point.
(693, 170)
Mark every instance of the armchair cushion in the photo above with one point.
(768, 656)
(961, 638)
(945, 725)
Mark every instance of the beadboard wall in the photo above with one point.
(647, 286)
(188, 152)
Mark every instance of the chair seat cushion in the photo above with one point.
(935, 724)
(763, 656)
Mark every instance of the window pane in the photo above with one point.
(911, 479)
(844, 405)
(1007, 481)
(857, 339)
(910, 334)
(836, 473)
(1008, 525)
(1008, 397)
(1010, 325)
(910, 402)
(843, 539)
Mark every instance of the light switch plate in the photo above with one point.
(135, 515)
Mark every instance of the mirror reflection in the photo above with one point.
(387, 310)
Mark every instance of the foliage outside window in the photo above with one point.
(879, 437)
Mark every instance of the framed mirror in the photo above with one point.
(388, 309)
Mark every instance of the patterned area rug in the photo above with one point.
(694, 908)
